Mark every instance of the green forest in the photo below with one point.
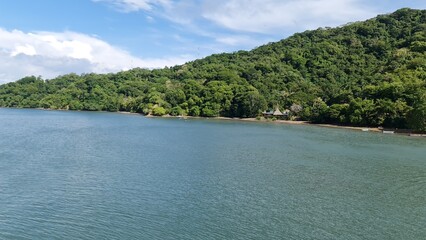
(370, 73)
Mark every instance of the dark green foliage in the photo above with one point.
(370, 73)
(247, 102)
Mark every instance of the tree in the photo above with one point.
(247, 103)
(417, 116)
(318, 111)
(158, 111)
(296, 109)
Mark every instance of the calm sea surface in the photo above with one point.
(79, 175)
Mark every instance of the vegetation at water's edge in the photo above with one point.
(370, 73)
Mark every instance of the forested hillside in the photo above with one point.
(370, 73)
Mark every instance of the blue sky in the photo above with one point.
(52, 37)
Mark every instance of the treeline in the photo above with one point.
(370, 73)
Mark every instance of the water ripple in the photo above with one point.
(75, 175)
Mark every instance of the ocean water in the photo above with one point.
(81, 175)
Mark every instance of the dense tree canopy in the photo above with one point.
(370, 73)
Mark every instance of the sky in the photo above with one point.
(49, 38)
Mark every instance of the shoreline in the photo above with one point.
(404, 132)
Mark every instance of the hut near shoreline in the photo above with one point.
(276, 113)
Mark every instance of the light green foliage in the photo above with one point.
(158, 111)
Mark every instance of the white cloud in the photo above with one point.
(24, 49)
(134, 5)
(269, 16)
(150, 19)
(50, 54)
(252, 16)
(240, 40)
